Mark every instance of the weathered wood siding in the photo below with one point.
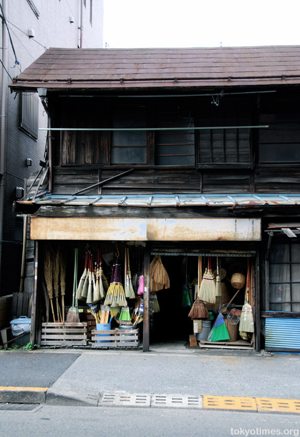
(238, 161)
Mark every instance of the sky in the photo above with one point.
(200, 23)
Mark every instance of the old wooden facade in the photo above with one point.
(180, 152)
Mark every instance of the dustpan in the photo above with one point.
(219, 331)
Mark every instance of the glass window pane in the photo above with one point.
(280, 293)
(132, 155)
(295, 272)
(280, 307)
(280, 253)
(296, 307)
(128, 139)
(295, 249)
(296, 293)
(279, 273)
(279, 153)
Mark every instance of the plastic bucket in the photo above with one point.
(206, 327)
(102, 338)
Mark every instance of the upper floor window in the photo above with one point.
(224, 146)
(129, 146)
(175, 142)
(29, 114)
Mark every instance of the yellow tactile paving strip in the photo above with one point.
(237, 403)
(16, 389)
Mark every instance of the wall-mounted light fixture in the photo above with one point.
(31, 33)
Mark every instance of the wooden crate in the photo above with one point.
(64, 334)
(115, 339)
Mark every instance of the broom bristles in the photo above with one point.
(73, 315)
(246, 319)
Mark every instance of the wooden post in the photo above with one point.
(33, 334)
(257, 303)
(146, 324)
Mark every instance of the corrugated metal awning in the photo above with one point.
(168, 200)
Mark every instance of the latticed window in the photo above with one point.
(284, 277)
(224, 146)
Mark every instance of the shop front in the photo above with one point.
(131, 282)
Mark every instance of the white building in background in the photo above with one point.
(29, 27)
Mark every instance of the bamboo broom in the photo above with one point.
(56, 273)
(48, 280)
(62, 285)
(207, 291)
(159, 278)
(246, 319)
(89, 297)
(73, 314)
(82, 279)
(128, 287)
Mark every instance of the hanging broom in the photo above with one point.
(246, 319)
(129, 291)
(62, 285)
(73, 314)
(218, 280)
(141, 285)
(115, 295)
(86, 280)
(56, 273)
(89, 297)
(159, 278)
(198, 310)
(48, 279)
(82, 279)
(207, 291)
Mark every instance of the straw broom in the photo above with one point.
(246, 319)
(115, 294)
(73, 314)
(89, 297)
(82, 279)
(129, 291)
(48, 280)
(159, 278)
(207, 291)
(62, 285)
(56, 273)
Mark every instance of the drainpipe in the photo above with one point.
(81, 24)
(3, 128)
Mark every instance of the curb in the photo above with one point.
(23, 395)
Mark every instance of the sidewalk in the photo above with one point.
(86, 377)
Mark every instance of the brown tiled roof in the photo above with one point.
(100, 69)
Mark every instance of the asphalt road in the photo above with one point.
(136, 422)
(29, 369)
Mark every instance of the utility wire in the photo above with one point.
(6, 70)
(22, 31)
(9, 35)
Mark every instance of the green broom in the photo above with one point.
(219, 331)
(129, 291)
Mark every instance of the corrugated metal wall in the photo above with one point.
(282, 334)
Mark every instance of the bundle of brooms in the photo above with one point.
(198, 310)
(159, 278)
(55, 279)
(116, 294)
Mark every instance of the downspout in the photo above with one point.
(81, 24)
(3, 127)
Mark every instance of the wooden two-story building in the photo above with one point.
(187, 154)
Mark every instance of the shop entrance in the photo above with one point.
(171, 320)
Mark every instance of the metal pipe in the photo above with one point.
(3, 129)
(139, 129)
(81, 24)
